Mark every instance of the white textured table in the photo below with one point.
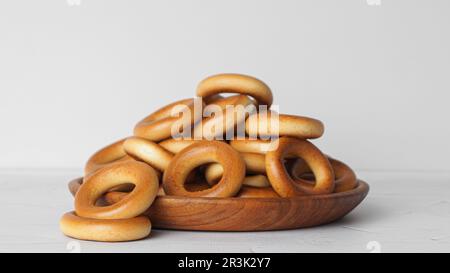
(403, 212)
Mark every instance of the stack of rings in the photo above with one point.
(271, 157)
(120, 221)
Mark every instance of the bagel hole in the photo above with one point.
(302, 173)
(125, 188)
(196, 181)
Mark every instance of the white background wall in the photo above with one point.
(74, 78)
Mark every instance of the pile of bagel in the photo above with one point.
(122, 180)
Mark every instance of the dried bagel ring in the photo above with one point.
(252, 192)
(254, 164)
(176, 145)
(158, 125)
(152, 154)
(345, 178)
(281, 181)
(148, 151)
(256, 181)
(201, 153)
(118, 230)
(236, 83)
(110, 154)
(234, 110)
(257, 146)
(266, 124)
(138, 200)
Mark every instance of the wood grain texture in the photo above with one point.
(253, 214)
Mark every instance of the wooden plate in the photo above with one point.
(253, 214)
(249, 214)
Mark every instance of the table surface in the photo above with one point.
(404, 212)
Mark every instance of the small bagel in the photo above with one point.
(234, 111)
(256, 181)
(257, 146)
(103, 230)
(105, 156)
(254, 164)
(345, 178)
(266, 124)
(201, 153)
(148, 151)
(214, 172)
(138, 200)
(176, 145)
(252, 192)
(281, 181)
(158, 125)
(236, 83)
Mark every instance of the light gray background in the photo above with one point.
(75, 78)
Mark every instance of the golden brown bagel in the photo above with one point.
(236, 83)
(345, 177)
(266, 124)
(214, 174)
(254, 164)
(227, 113)
(105, 156)
(201, 153)
(257, 146)
(118, 230)
(176, 145)
(158, 125)
(138, 200)
(256, 181)
(148, 151)
(281, 181)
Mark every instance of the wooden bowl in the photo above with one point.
(253, 214)
(249, 214)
